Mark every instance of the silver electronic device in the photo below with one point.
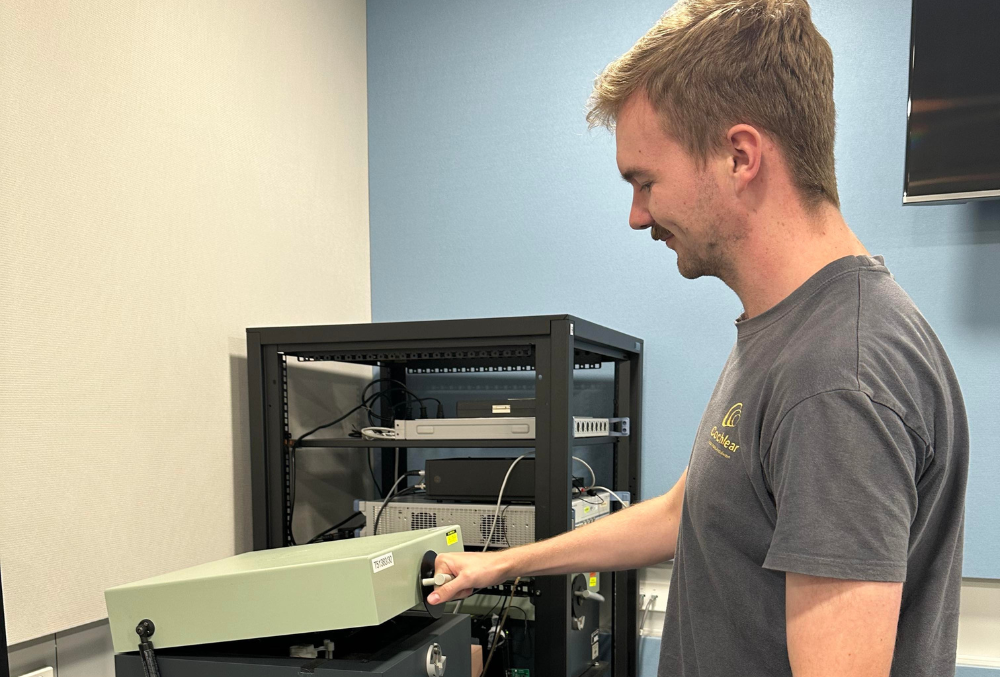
(515, 524)
(502, 428)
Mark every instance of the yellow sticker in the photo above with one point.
(586, 509)
(452, 537)
(593, 581)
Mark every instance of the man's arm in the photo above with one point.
(639, 536)
(838, 627)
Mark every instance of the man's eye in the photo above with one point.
(646, 186)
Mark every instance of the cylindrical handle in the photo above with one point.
(438, 580)
(588, 594)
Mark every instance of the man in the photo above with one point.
(818, 528)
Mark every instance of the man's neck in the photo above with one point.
(783, 250)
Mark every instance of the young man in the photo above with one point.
(818, 528)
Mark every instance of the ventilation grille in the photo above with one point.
(422, 520)
(516, 525)
(499, 532)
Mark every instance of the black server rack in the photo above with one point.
(553, 347)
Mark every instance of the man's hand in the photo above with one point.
(836, 627)
(472, 571)
(639, 536)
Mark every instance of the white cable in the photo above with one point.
(378, 433)
(617, 497)
(392, 491)
(593, 477)
(645, 611)
(496, 515)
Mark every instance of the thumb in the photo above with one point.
(453, 589)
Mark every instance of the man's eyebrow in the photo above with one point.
(632, 175)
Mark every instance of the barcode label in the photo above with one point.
(382, 562)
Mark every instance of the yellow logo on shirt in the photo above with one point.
(721, 442)
(732, 417)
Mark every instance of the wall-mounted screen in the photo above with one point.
(953, 121)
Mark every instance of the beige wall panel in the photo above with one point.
(170, 174)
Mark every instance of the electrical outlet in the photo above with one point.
(44, 672)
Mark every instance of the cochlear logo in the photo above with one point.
(721, 442)
(732, 416)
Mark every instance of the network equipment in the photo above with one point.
(511, 407)
(515, 524)
(520, 428)
(501, 428)
(479, 479)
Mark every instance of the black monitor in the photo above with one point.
(953, 115)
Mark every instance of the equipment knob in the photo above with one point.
(436, 661)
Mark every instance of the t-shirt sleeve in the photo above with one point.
(842, 471)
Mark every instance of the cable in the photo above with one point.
(413, 397)
(335, 526)
(371, 471)
(392, 493)
(298, 442)
(506, 613)
(506, 533)
(408, 490)
(593, 477)
(366, 402)
(617, 497)
(496, 514)
(527, 637)
(378, 433)
(649, 607)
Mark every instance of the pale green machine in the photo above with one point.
(361, 601)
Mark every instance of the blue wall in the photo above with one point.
(489, 196)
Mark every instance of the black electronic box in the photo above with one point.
(479, 479)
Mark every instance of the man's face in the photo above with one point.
(680, 202)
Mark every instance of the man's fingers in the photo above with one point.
(441, 566)
(450, 591)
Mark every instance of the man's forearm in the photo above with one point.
(642, 535)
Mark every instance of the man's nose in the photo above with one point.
(639, 218)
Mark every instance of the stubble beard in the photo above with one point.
(712, 257)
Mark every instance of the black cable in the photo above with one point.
(366, 402)
(371, 470)
(527, 637)
(415, 398)
(390, 499)
(335, 526)
(489, 613)
(385, 393)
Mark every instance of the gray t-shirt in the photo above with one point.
(835, 444)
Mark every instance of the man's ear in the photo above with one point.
(744, 146)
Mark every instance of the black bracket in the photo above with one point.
(145, 630)
(427, 571)
(523, 589)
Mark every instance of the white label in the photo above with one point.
(382, 562)
(593, 645)
(501, 408)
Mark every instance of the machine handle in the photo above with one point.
(437, 580)
(588, 594)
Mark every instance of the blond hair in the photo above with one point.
(709, 64)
